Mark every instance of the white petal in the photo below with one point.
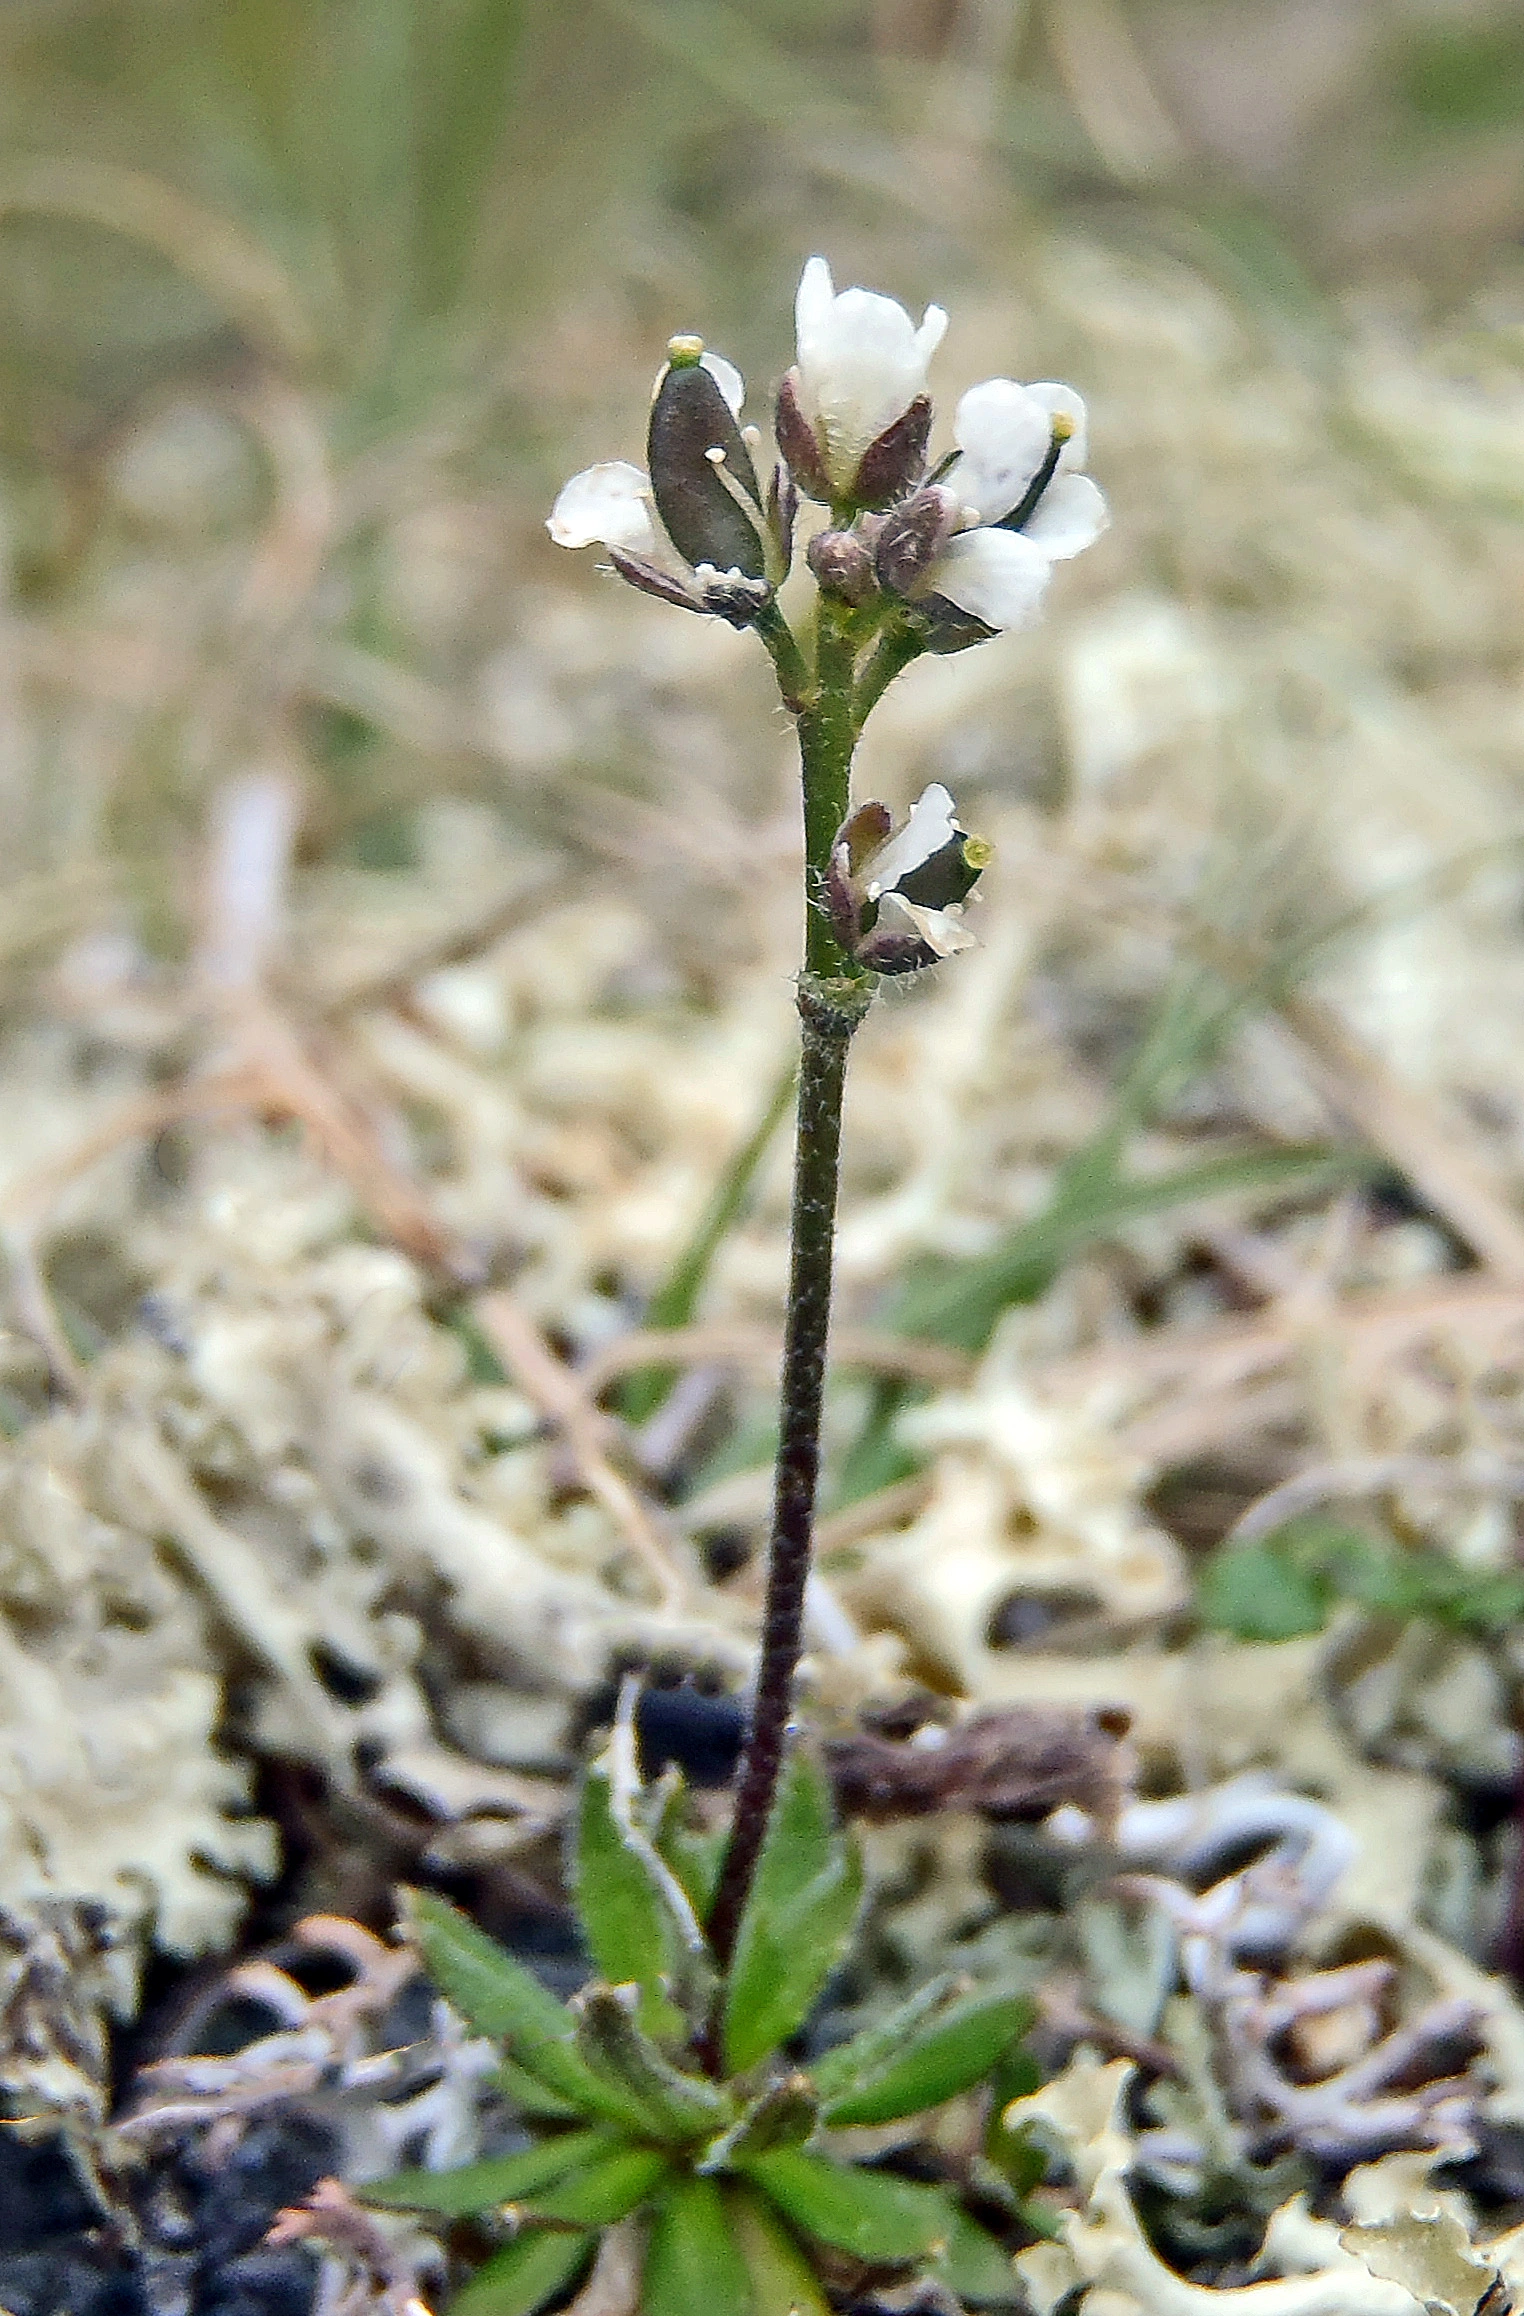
(932, 331)
(813, 302)
(607, 505)
(728, 379)
(942, 930)
(1004, 433)
(932, 822)
(862, 362)
(999, 576)
(1063, 402)
(1069, 517)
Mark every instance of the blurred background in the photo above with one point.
(309, 308)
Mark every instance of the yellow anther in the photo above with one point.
(1062, 426)
(685, 351)
(978, 852)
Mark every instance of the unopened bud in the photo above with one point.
(842, 564)
(913, 536)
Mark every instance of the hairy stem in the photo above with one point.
(822, 1074)
(834, 994)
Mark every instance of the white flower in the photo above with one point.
(1004, 433)
(613, 505)
(862, 362)
(1027, 504)
(896, 895)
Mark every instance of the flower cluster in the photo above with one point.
(949, 554)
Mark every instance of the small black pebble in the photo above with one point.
(703, 1734)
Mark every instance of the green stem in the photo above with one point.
(892, 652)
(834, 994)
(827, 1031)
(789, 661)
(827, 736)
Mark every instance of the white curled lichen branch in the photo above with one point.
(1103, 2245)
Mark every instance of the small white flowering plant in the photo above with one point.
(667, 2095)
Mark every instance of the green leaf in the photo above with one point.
(499, 1997)
(1258, 1594)
(798, 1919)
(522, 2277)
(842, 2068)
(498, 2179)
(696, 1859)
(694, 1856)
(782, 2281)
(869, 2213)
(492, 1992)
(626, 1917)
(785, 2115)
(676, 2105)
(531, 2096)
(975, 2268)
(947, 2055)
(605, 2192)
(693, 2261)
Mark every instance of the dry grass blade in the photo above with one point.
(561, 1398)
(760, 1348)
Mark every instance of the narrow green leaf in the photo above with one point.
(798, 1918)
(784, 2116)
(625, 1914)
(676, 2105)
(498, 2179)
(693, 2262)
(530, 2095)
(949, 2055)
(782, 2281)
(492, 1992)
(869, 2213)
(842, 2068)
(499, 1997)
(524, 2275)
(605, 2192)
(975, 2268)
(696, 1859)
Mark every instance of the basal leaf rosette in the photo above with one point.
(734, 2172)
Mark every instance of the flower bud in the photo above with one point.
(842, 564)
(702, 477)
(896, 461)
(913, 536)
